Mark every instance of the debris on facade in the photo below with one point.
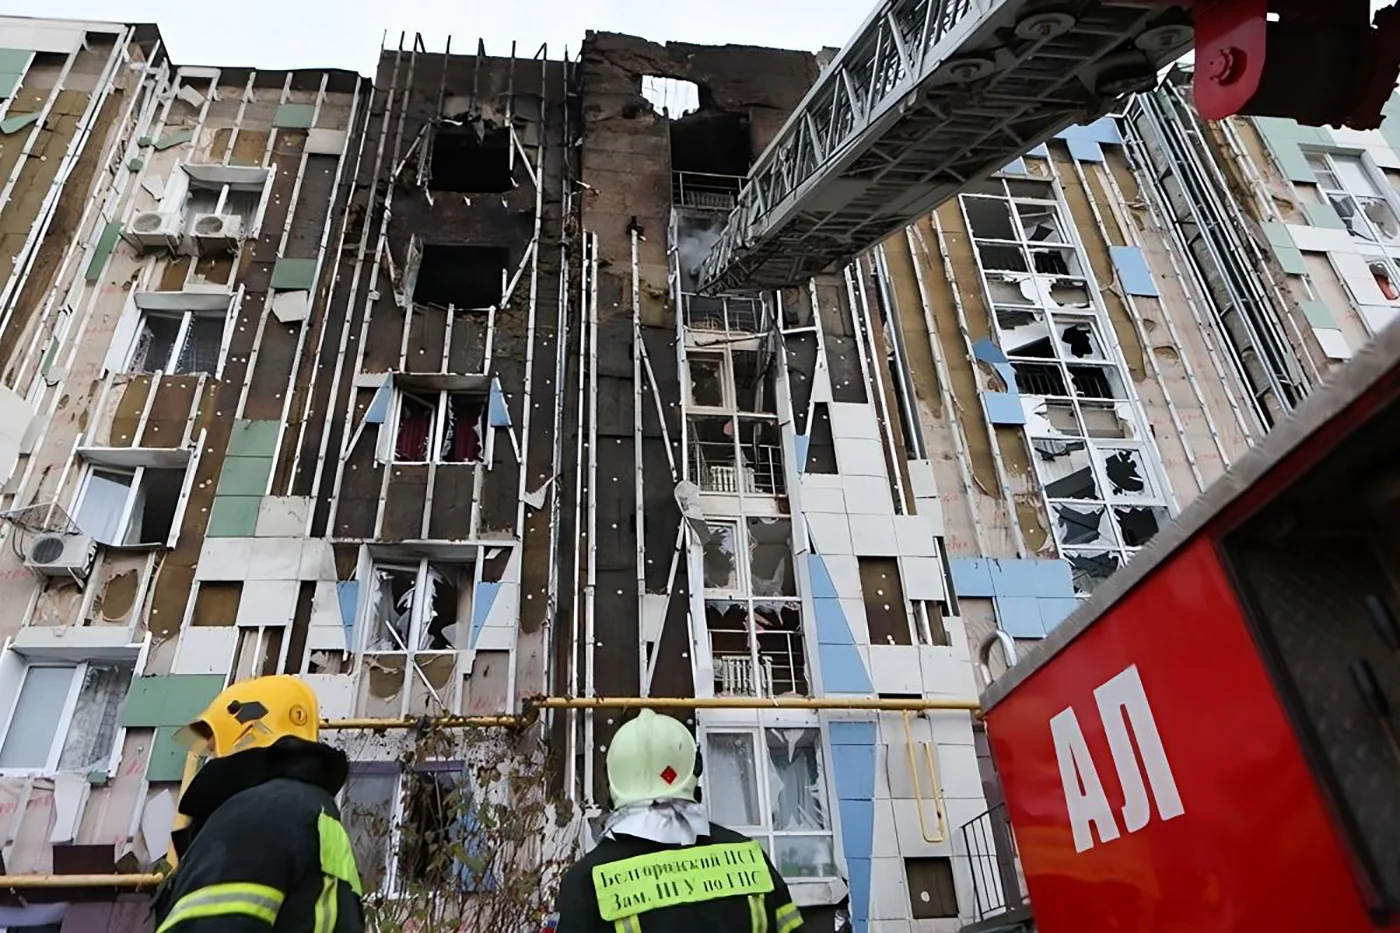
(407, 386)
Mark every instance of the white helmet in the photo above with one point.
(651, 758)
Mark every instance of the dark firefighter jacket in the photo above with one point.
(656, 888)
(265, 851)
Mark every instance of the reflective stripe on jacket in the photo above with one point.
(272, 857)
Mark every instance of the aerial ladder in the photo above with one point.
(1209, 742)
(932, 95)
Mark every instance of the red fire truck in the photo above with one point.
(1209, 743)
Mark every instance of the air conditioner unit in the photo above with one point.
(154, 230)
(216, 233)
(61, 555)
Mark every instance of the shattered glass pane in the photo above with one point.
(803, 856)
(1108, 420)
(200, 351)
(1039, 379)
(1049, 418)
(731, 780)
(1070, 294)
(1354, 177)
(778, 628)
(1078, 339)
(1007, 289)
(1089, 569)
(1002, 258)
(795, 787)
(1055, 261)
(1139, 523)
(1095, 382)
(770, 557)
(1126, 471)
(1040, 223)
(1382, 218)
(989, 218)
(721, 570)
(1082, 526)
(155, 343)
(1065, 469)
(1024, 333)
(393, 608)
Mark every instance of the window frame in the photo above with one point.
(391, 884)
(65, 720)
(1382, 192)
(438, 425)
(93, 462)
(742, 594)
(187, 318)
(765, 833)
(421, 567)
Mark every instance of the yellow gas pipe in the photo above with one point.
(505, 720)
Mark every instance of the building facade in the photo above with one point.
(404, 386)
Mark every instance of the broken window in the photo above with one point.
(1347, 185)
(64, 717)
(414, 829)
(756, 648)
(440, 427)
(424, 605)
(708, 141)
(1090, 568)
(1049, 418)
(1096, 382)
(1126, 471)
(1079, 338)
(1024, 333)
(1039, 379)
(1070, 294)
(130, 507)
(781, 660)
(1139, 524)
(1108, 420)
(470, 157)
(770, 557)
(707, 380)
(1040, 223)
(730, 454)
(176, 342)
(713, 455)
(465, 277)
(989, 218)
(1065, 469)
(1385, 280)
(786, 811)
(720, 560)
(1082, 525)
(1055, 261)
(1001, 258)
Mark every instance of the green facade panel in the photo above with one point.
(290, 275)
(107, 242)
(1284, 139)
(168, 699)
(1318, 314)
(16, 122)
(294, 116)
(244, 476)
(167, 762)
(1323, 215)
(253, 439)
(234, 516)
(177, 138)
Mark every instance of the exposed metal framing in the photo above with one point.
(928, 95)
(946, 401)
(1013, 520)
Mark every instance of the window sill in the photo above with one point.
(814, 893)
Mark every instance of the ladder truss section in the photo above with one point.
(929, 95)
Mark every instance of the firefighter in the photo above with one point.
(264, 851)
(661, 865)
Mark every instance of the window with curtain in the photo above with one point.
(65, 717)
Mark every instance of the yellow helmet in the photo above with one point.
(254, 714)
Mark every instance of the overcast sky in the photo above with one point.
(347, 33)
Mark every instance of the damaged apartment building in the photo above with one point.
(405, 386)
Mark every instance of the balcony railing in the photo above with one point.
(713, 469)
(702, 191)
(997, 885)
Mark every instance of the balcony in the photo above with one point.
(1000, 903)
(703, 191)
